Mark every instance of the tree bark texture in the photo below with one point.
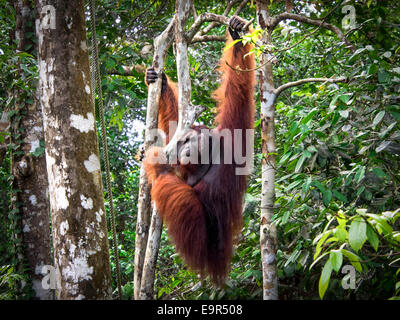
(151, 255)
(268, 234)
(29, 170)
(268, 96)
(72, 153)
(161, 45)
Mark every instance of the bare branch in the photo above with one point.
(128, 70)
(194, 12)
(208, 38)
(226, 12)
(218, 21)
(194, 114)
(205, 17)
(285, 86)
(241, 6)
(194, 35)
(273, 22)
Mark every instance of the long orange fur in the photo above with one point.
(204, 220)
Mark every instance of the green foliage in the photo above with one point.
(9, 282)
(337, 149)
(352, 231)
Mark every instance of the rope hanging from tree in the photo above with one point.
(97, 83)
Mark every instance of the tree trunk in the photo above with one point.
(30, 171)
(72, 153)
(268, 234)
(161, 46)
(182, 9)
(150, 259)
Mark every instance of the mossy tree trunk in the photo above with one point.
(73, 164)
(29, 163)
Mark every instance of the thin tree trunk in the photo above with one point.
(187, 114)
(268, 234)
(186, 118)
(72, 153)
(268, 96)
(150, 259)
(30, 171)
(161, 46)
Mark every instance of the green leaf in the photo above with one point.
(372, 237)
(317, 260)
(312, 149)
(309, 116)
(38, 152)
(353, 258)
(379, 173)
(359, 174)
(336, 258)
(381, 223)
(319, 185)
(387, 130)
(345, 98)
(335, 118)
(372, 69)
(293, 185)
(341, 234)
(349, 179)
(324, 279)
(360, 190)
(321, 241)
(306, 185)
(383, 76)
(339, 196)
(232, 44)
(383, 146)
(357, 233)
(300, 163)
(326, 197)
(378, 118)
(367, 195)
(341, 218)
(285, 157)
(176, 282)
(356, 53)
(332, 105)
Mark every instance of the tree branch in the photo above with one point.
(226, 12)
(241, 6)
(144, 271)
(205, 17)
(273, 22)
(195, 32)
(208, 38)
(285, 86)
(128, 70)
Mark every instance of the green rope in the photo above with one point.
(97, 83)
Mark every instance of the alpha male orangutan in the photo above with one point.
(201, 204)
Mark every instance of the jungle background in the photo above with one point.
(338, 147)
